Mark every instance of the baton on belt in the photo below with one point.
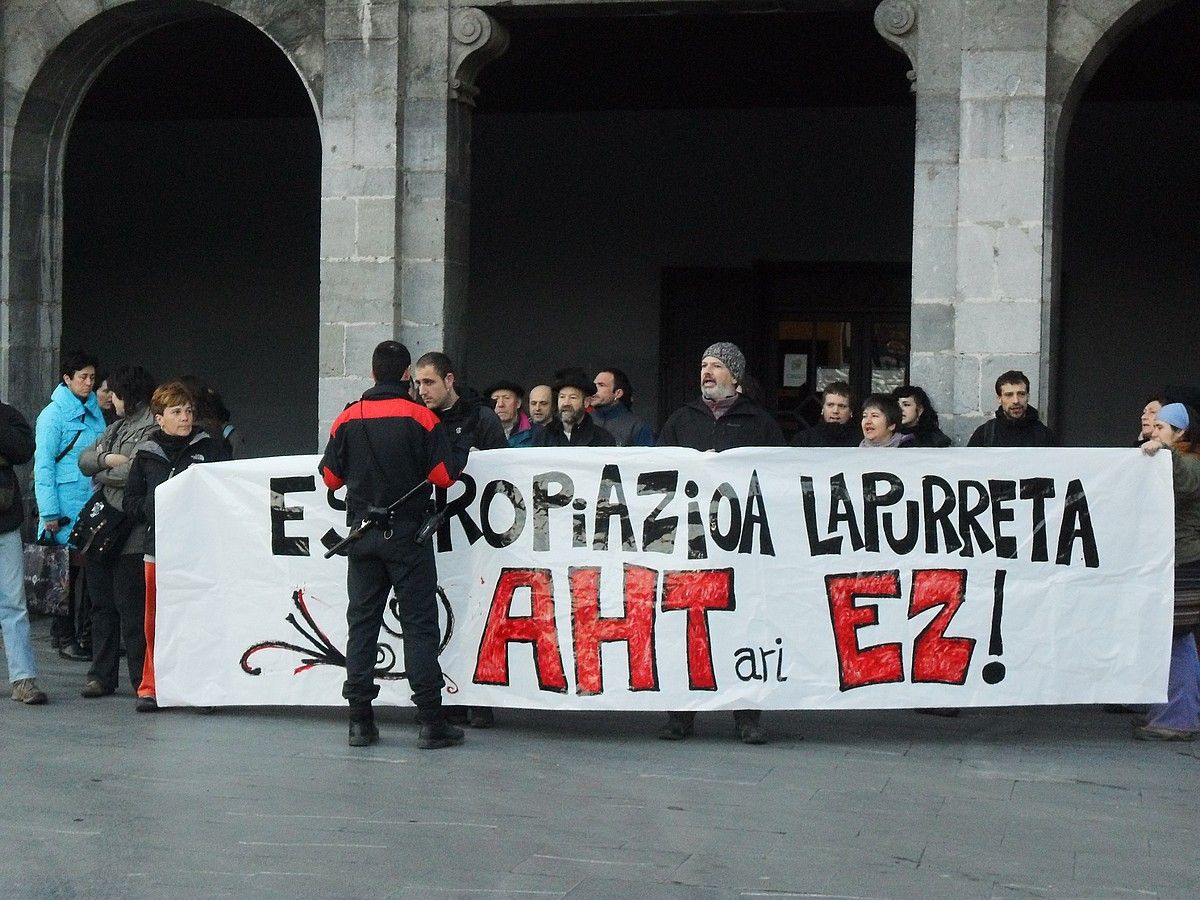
(377, 516)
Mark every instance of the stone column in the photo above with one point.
(978, 310)
(358, 197)
(932, 47)
(999, 315)
(446, 47)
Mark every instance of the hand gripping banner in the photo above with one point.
(654, 579)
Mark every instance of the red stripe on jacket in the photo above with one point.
(389, 408)
(332, 481)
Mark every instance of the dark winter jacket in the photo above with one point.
(524, 438)
(586, 434)
(927, 436)
(1001, 431)
(156, 460)
(381, 447)
(627, 429)
(1185, 468)
(522, 433)
(829, 434)
(16, 448)
(527, 438)
(471, 422)
(216, 429)
(745, 424)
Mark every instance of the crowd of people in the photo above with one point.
(123, 435)
(103, 439)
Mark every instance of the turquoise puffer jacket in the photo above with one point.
(61, 489)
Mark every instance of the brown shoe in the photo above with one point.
(1156, 733)
(94, 687)
(25, 690)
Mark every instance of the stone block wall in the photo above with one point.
(358, 195)
(393, 83)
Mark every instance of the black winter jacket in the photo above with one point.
(927, 436)
(1001, 431)
(745, 424)
(16, 447)
(586, 434)
(381, 447)
(471, 422)
(156, 460)
(829, 434)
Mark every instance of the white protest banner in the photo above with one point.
(658, 579)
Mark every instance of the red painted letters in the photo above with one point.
(699, 592)
(937, 658)
(857, 666)
(538, 629)
(635, 628)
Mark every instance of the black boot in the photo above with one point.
(679, 726)
(747, 726)
(363, 732)
(436, 735)
(481, 717)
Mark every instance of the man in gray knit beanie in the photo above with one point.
(720, 419)
(730, 357)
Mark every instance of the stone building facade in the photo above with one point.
(393, 86)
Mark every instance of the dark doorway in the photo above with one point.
(1131, 233)
(191, 210)
(634, 175)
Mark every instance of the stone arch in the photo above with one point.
(1082, 34)
(53, 53)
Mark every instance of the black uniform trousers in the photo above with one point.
(118, 590)
(376, 567)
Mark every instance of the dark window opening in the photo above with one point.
(191, 223)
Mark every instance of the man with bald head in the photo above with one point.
(541, 405)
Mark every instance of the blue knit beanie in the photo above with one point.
(1175, 415)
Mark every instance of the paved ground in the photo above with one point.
(97, 801)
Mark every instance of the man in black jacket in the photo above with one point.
(572, 425)
(720, 419)
(470, 421)
(380, 448)
(1016, 423)
(471, 424)
(16, 447)
(835, 428)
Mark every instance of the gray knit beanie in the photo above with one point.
(731, 356)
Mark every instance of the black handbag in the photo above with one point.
(101, 529)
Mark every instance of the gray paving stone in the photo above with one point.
(1055, 802)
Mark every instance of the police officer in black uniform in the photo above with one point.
(381, 447)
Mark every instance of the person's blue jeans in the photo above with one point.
(1182, 709)
(14, 620)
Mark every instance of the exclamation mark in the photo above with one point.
(993, 672)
